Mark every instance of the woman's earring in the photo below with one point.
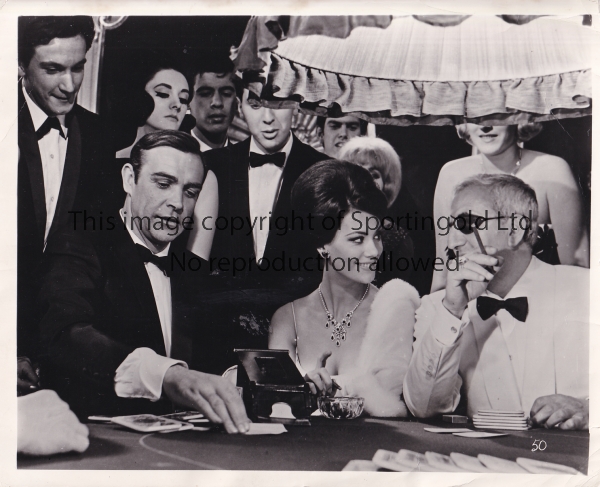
(324, 253)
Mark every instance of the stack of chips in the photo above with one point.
(500, 420)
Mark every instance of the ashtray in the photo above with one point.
(341, 407)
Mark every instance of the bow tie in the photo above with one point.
(161, 262)
(49, 124)
(517, 307)
(258, 160)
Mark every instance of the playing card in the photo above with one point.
(500, 411)
(447, 430)
(184, 427)
(416, 461)
(184, 415)
(443, 462)
(500, 464)
(501, 427)
(499, 418)
(266, 429)
(360, 466)
(537, 466)
(479, 434)
(387, 459)
(199, 421)
(147, 423)
(470, 464)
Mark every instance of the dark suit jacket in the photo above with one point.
(261, 292)
(96, 305)
(78, 191)
(230, 165)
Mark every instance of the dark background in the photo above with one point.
(424, 150)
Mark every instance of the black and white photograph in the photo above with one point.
(358, 248)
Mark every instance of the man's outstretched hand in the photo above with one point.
(216, 397)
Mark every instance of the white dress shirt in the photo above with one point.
(53, 150)
(141, 374)
(203, 145)
(264, 183)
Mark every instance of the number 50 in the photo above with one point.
(539, 445)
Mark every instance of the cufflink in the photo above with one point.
(453, 329)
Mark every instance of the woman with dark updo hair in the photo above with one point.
(562, 235)
(158, 100)
(347, 333)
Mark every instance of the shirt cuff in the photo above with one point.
(141, 374)
(446, 327)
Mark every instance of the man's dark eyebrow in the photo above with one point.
(192, 185)
(171, 178)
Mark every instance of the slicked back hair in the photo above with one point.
(39, 31)
(509, 195)
(181, 141)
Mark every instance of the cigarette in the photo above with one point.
(482, 248)
(336, 385)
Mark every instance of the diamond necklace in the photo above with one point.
(338, 333)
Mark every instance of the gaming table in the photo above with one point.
(325, 445)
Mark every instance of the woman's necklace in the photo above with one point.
(339, 331)
(514, 171)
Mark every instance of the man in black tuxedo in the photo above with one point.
(255, 180)
(59, 150)
(116, 323)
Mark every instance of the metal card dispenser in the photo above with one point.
(270, 376)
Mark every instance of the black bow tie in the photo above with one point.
(161, 262)
(517, 307)
(49, 124)
(258, 160)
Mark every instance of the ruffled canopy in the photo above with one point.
(434, 70)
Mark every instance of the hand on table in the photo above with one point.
(215, 396)
(27, 379)
(46, 425)
(470, 269)
(319, 380)
(557, 410)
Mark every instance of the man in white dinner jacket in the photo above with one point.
(509, 332)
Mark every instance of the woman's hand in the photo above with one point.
(319, 380)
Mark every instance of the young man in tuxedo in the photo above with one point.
(508, 328)
(59, 150)
(214, 102)
(255, 179)
(336, 131)
(116, 322)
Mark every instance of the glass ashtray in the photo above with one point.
(341, 407)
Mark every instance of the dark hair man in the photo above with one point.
(214, 102)
(59, 148)
(335, 132)
(116, 314)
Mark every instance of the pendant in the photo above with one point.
(339, 332)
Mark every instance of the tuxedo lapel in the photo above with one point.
(30, 155)
(494, 362)
(136, 273)
(240, 195)
(70, 178)
(539, 357)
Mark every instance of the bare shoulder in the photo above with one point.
(547, 163)
(457, 170)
